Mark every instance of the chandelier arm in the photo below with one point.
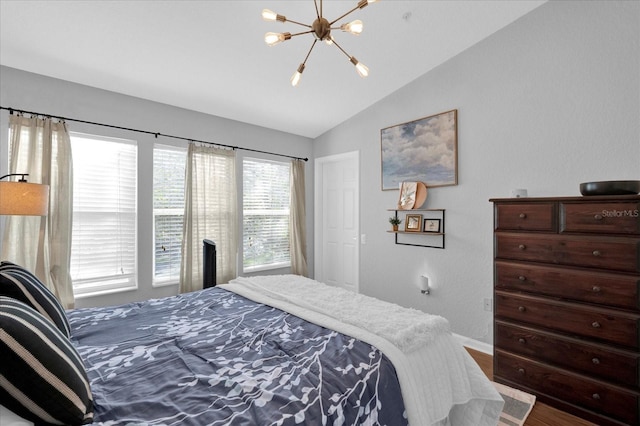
(309, 53)
(318, 13)
(298, 23)
(341, 49)
(351, 11)
(361, 5)
(304, 32)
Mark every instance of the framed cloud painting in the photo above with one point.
(423, 150)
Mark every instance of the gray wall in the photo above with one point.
(32, 92)
(548, 102)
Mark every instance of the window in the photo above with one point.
(104, 235)
(266, 194)
(168, 210)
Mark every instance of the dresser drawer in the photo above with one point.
(616, 402)
(616, 290)
(602, 218)
(605, 325)
(622, 367)
(613, 253)
(526, 217)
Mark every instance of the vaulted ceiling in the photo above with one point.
(209, 56)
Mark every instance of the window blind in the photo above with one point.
(266, 195)
(104, 235)
(168, 211)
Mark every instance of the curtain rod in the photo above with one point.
(156, 134)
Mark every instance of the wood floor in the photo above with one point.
(542, 414)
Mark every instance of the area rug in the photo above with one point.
(517, 405)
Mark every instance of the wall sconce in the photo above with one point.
(23, 198)
(423, 285)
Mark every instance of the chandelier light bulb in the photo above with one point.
(269, 15)
(361, 68)
(353, 27)
(274, 38)
(329, 40)
(295, 78)
(364, 3)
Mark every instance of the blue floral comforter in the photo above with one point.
(215, 358)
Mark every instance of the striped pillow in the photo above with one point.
(42, 377)
(17, 282)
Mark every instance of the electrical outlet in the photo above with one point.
(488, 304)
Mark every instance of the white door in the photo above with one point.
(337, 210)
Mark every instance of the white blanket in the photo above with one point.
(441, 384)
(408, 329)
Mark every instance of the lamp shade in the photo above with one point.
(23, 198)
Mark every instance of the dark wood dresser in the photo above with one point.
(567, 303)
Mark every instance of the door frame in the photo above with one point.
(319, 164)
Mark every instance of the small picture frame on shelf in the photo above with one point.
(413, 223)
(432, 226)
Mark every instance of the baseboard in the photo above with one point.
(474, 344)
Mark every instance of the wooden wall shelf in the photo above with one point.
(420, 238)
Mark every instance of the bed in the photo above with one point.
(272, 350)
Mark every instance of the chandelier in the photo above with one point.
(321, 30)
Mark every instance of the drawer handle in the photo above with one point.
(596, 289)
(598, 217)
(522, 341)
(596, 396)
(596, 361)
(595, 324)
(597, 253)
(523, 215)
(522, 247)
(522, 308)
(521, 370)
(522, 278)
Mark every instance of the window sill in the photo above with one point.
(89, 295)
(165, 283)
(262, 268)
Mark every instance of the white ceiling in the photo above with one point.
(209, 56)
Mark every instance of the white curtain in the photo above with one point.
(297, 220)
(42, 148)
(210, 213)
